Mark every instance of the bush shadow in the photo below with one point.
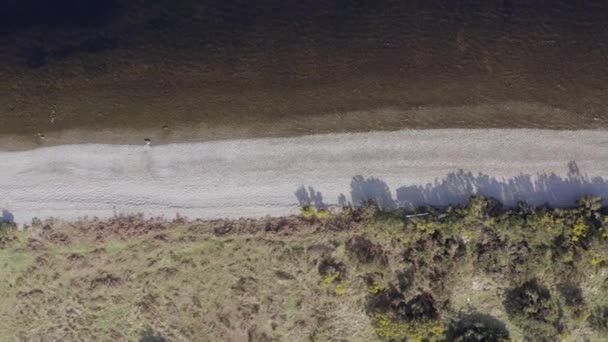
(7, 217)
(310, 197)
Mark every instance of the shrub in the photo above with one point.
(366, 251)
(599, 318)
(406, 279)
(590, 203)
(421, 307)
(477, 327)
(149, 335)
(329, 266)
(394, 317)
(308, 211)
(531, 307)
(530, 300)
(7, 233)
(580, 230)
(481, 207)
(490, 252)
(333, 272)
(7, 227)
(387, 326)
(573, 295)
(374, 282)
(386, 300)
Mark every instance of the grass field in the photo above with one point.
(476, 273)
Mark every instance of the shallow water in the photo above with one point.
(250, 65)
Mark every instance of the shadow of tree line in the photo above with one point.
(6, 216)
(457, 187)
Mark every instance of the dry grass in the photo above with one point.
(295, 278)
(182, 280)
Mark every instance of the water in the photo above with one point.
(291, 67)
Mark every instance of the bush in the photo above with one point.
(590, 203)
(387, 326)
(477, 327)
(149, 335)
(366, 251)
(531, 300)
(420, 308)
(386, 300)
(599, 318)
(332, 272)
(406, 279)
(394, 317)
(573, 295)
(531, 307)
(490, 252)
(7, 226)
(7, 233)
(481, 207)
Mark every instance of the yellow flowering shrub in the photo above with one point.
(389, 327)
(579, 230)
(329, 279)
(596, 259)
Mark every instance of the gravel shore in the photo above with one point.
(258, 177)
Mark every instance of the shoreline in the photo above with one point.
(274, 176)
(488, 116)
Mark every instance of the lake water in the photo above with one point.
(257, 68)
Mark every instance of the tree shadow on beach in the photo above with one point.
(366, 190)
(539, 189)
(7, 216)
(457, 187)
(310, 197)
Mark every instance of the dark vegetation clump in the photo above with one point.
(365, 250)
(572, 294)
(599, 318)
(405, 279)
(490, 251)
(284, 275)
(329, 267)
(496, 254)
(396, 316)
(530, 300)
(532, 307)
(105, 280)
(122, 225)
(431, 259)
(420, 307)
(387, 300)
(7, 223)
(149, 335)
(6, 237)
(7, 229)
(477, 327)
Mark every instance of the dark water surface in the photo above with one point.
(252, 64)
